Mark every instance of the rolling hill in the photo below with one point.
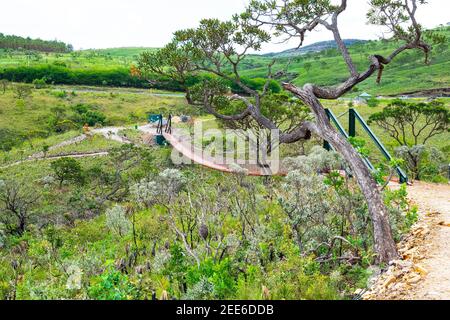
(319, 63)
(313, 48)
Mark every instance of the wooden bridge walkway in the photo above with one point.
(185, 146)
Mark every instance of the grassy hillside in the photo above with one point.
(313, 48)
(407, 73)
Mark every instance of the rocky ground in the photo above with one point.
(423, 273)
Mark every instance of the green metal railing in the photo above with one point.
(355, 117)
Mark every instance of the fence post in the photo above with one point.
(159, 130)
(326, 144)
(352, 123)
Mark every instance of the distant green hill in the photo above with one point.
(407, 73)
(319, 63)
(313, 48)
(125, 52)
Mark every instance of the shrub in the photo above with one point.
(422, 162)
(67, 169)
(373, 102)
(217, 278)
(117, 221)
(22, 91)
(85, 114)
(9, 138)
(112, 285)
(40, 83)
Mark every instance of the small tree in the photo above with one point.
(67, 169)
(16, 204)
(411, 124)
(117, 221)
(171, 62)
(308, 66)
(22, 91)
(4, 84)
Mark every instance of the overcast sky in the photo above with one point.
(150, 23)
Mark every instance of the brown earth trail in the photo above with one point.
(424, 271)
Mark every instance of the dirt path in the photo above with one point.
(74, 155)
(435, 200)
(423, 273)
(111, 133)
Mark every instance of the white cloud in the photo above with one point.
(150, 23)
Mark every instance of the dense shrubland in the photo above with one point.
(131, 226)
(117, 77)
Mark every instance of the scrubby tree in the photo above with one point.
(283, 110)
(410, 123)
(22, 91)
(171, 62)
(4, 84)
(16, 205)
(117, 221)
(67, 169)
(218, 48)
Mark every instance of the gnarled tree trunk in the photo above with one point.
(384, 243)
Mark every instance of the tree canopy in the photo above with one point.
(412, 124)
(20, 43)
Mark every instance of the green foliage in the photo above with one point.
(360, 145)
(423, 163)
(373, 102)
(20, 43)
(57, 74)
(67, 169)
(117, 221)
(255, 84)
(300, 279)
(40, 83)
(86, 114)
(402, 215)
(9, 138)
(111, 285)
(217, 277)
(411, 124)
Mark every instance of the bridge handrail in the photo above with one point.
(354, 115)
(341, 129)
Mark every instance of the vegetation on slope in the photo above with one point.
(111, 67)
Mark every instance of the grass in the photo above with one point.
(407, 73)
(96, 143)
(127, 107)
(120, 109)
(441, 141)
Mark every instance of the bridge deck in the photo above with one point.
(186, 148)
